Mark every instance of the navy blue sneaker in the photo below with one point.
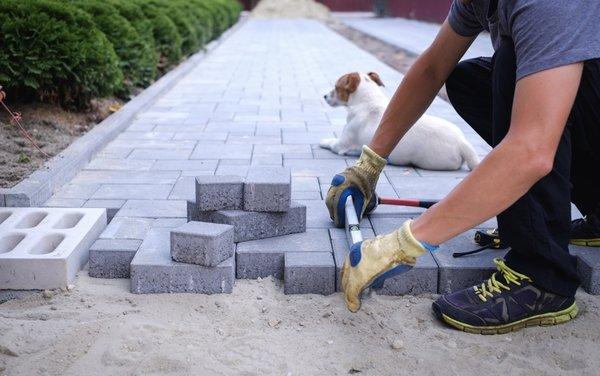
(506, 302)
(586, 231)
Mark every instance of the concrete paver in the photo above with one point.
(254, 100)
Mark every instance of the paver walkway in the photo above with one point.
(257, 99)
(414, 36)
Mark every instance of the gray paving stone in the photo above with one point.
(306, 195)
(81, 191)
(459, 273)
(132, 191)
(265, 257)
(202, 243)
(119, 164)
(153, 270)
(110, 258)
(153, 209)
(154, 154)
(64, 203)
(127, 228)
(184, 189)
(169, 222)
(222, 151)
(309, 273)
(189, 165)
(255, 225)
(325, 168)
(127, 177)
(267, 189)
(112, 206)
(219, 192)
(267, 159)
(588, 266)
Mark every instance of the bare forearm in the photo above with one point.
(488, 190)
(412, 98)
(419, 87)
(524, 156)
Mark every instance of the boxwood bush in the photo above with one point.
(53, 52)
(68, 52)
(133, 13)
(167, 38)
(136, 60)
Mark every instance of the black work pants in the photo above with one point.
(537, 227)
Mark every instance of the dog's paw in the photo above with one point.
(327, 143)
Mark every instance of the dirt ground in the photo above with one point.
(99, 328)
(52, 128)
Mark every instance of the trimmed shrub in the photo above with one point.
(136, 60)
(133, 13)
(219, 15)
(68, 52)
(53, 52)
(167, 38)
(184, 23)
(202, 20)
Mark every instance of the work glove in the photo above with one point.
(372, 261)
(358, 181)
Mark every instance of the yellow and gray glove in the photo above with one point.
(358, 181)
(372, 261)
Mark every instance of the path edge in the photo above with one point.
(40, 185)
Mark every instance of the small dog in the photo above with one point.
(432, 143)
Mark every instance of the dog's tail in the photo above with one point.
(468, 154)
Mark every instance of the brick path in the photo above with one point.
(257, 99)
(414, 36)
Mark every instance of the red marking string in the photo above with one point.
(16, 118)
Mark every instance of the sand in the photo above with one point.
(99, 328)
(291, 9)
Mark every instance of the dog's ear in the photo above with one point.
(375, 77)
(347, 85)
(351, 82)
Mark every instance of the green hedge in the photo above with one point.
(69, 52)
(136, 60)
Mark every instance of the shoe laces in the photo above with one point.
(493, 286)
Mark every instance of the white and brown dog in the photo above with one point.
(432, 143)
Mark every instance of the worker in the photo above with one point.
(537, 103)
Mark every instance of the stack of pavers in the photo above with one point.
(229, 210)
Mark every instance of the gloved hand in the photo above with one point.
(371, 261)
(358, 181)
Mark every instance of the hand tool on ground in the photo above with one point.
(354, 235)
(411, 202)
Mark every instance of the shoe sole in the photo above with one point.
(546, 319)
(594, 242)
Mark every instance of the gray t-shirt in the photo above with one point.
(546, 33)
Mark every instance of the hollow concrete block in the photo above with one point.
(43, 248)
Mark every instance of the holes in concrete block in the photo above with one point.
(31, 220)
(68, 221)
(4, 216)
(47, 244)
(10, 242)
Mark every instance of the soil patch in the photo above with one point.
(52, 128)
(291, 9)
(99, 328)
